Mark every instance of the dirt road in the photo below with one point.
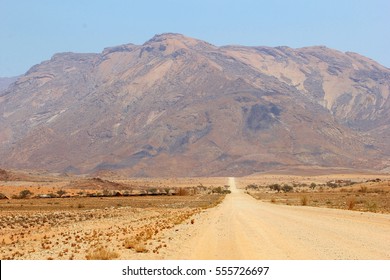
(244, 228)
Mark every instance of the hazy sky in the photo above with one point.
(33, 30)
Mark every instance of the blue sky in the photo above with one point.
(33, 30)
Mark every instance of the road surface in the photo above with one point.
(244, 228)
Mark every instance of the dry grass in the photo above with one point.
(367, 196)
(101, 253)
(140, 248)
(351, 202)
(304, 200)
(39, 228)
(129, 243)
(89, 203)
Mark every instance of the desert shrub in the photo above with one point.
(304, 200)
(252, 186)
(182, 192)
(313, 186)
(140, 248)
(287, 188)
(107, 193)
(61, 192)
(363, 189)
(275, 187)
(372, 206)
(152, 191)
(351, 203)
(101, 253)
(220, 190)
(129, 243)
(332, 184)
(25, 194)
(3, 196)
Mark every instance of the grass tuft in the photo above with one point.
(304, 200)
(351, 202)
(101, 253)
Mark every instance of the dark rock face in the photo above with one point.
(262, 116)
(178, 106)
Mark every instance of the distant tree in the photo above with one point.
(332, 184)
(152, 190)
(106, 192)
(287, 188)
(252, 186)
(275, 187)
(61, 192)
(25, 194)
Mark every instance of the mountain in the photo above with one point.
(178, 106)
(5, 82)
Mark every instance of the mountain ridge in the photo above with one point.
(183, 107)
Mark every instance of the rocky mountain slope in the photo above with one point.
(177, 106)
(5, 82)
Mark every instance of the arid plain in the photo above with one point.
(340, 216)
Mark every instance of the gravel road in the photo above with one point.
(244, 228)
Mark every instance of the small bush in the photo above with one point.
(25, 194)
(61, 192)
(152, 191)
(363, 189)
(287, 188)
(140, 248)
(351, 203)
(3, 196)
(252, 186)
(275, 187)
(372, 206)
(304, 200)
(332, 184)
(101, 253)
(220, 190)
(129, 243)
(107, 193)
(183, 192)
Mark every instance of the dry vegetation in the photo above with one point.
(372, 195)
(96, 219)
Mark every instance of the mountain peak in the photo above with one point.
(166, 36)
(174, 41)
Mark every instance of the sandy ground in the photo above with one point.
(244, 228)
